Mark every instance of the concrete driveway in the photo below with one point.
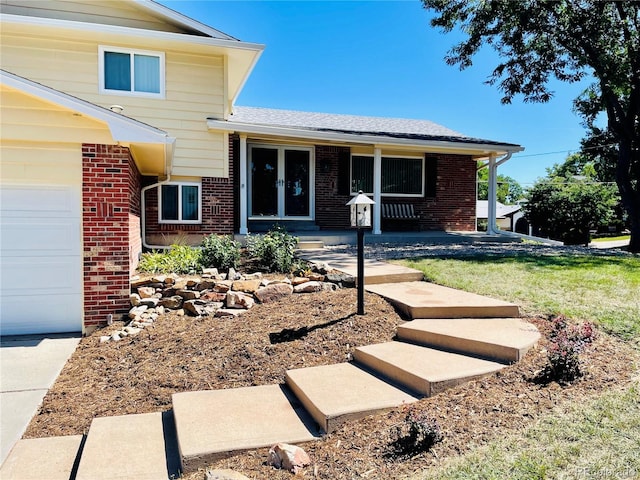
(29, 365)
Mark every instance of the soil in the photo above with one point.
(179, 353)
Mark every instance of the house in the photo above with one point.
(120, 131)
(506, 215)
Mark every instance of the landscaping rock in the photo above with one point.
(104, 338)
(172, 302)
(159, 279)
(189, 294)
(195, 307)
(273, 292)
(229, 312)
(239, 300)
(135, 312)
(308, 287)
(320, 267)
(233, 275)
(222, 286)
(146, 292)
(299, 281)
(224, 474)
(149, 301)
(316, 277)
(288, 457)
(205, 285)
(134, 299)
(253, 276)
(247, 286)
(341, 279)
(213, 297)
(210, 272)
(329, 287)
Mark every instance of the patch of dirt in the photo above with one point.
(179, 353)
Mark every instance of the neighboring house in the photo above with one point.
(119, 131)
(506, 215)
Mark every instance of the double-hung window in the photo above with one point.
(131, 72)
(400, 176)
(180, 203)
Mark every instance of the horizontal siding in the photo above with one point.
(194, 92)
(106, 12)
(41, 163)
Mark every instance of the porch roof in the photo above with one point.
(356, 129)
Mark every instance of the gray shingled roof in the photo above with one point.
(353, 124)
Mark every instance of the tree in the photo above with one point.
(566, 39)
(509, 191)
(566, 208)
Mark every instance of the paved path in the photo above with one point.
(29, 365)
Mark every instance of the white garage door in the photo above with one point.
(40, 242)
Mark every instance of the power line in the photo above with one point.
(565, 151)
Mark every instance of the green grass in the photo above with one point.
(612, 239)
(596, 440)
(601, 289)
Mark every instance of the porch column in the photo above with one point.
(377, 190)
(243, 185)
(493, 195)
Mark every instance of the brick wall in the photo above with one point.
(107, 181)
(452, 208)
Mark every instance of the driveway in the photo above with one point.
(29, 365)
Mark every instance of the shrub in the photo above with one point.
(566, 342)
(178, 259)
(220, 251)
(273, 250)
(418, 433)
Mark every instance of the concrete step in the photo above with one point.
(502, 339)
(52, 458)
(421, 369)
(125, 447)
(335, 394)
(216, 423)
(310, 245)
(428, 300)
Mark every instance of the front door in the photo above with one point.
(280, 180)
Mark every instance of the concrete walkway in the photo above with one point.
(29, 365)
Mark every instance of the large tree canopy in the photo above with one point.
(540, 40)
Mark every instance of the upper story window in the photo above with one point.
(131, 72)
(180, 203)
(400, 176)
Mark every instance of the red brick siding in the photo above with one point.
(453, 207)
(331, 212)
(106, 204)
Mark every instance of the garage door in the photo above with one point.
(40, 241)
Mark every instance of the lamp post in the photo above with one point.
(360, 206)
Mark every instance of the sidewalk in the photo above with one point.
(29, 365)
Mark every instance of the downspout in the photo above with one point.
(143, 193)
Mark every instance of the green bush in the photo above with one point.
(220, 251)
(178, 259)
(274, 250)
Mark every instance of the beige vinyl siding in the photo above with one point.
(195, 90)
(105, 12)
(41, 163)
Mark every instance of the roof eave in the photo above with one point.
(476, 149)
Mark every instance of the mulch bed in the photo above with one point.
(179, 353)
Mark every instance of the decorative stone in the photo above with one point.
(146, 292)
(149, 302)
(104, 338)
(137, 311)
(188, 294)
(316, 277)
(200, 308)
(233, 275)
(134, 299)
(115, 337)
(253, 276)
(224, 474)
(213, 297)
(212, 272)
(288, 457)
(299, 281)
(169, 281)
(159, 279)
(191, 283)
(329, 287)
(239, 300)
(247, 286)
(342, 279)
(131, 330)
(222, 286)
(205, 285)
(160, 309)
(308, 287)
(273, 292)
(173, 302)
(320, 267)
(229, 312)
(139, 282)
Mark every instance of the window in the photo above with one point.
(401, 176)
(180, 203)
(131, 72)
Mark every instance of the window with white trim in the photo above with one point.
(131, 72)
(401, 176)
(179, 203)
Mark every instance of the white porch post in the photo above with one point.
(243, 185)
(493, 195)
(377, 190)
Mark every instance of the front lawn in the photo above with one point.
(602, 289)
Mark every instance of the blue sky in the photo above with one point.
(382, 58)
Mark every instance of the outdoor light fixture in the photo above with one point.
(360, 206)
